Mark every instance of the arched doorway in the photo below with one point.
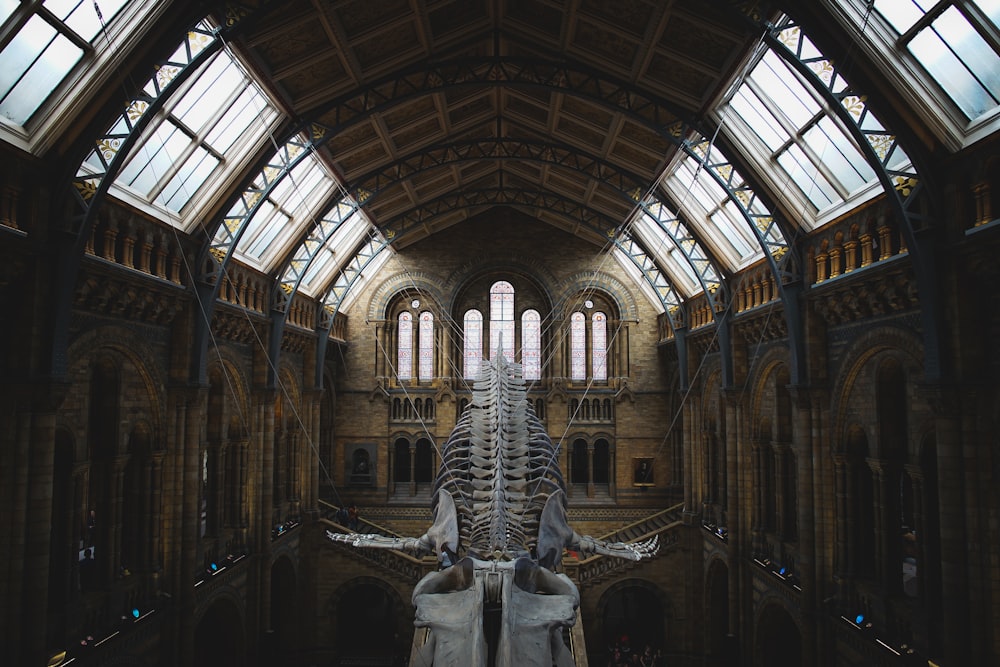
(634, 614)
(370, 618)
(718, 643)
(219, 640)
(284, 603)
(778, 639)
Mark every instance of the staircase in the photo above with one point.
(400, 565)
(594, 569)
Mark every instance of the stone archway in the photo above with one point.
(637, 610)
(369, 621)
(719, 644)
(778, 640)
(219, 638)
(284, 602)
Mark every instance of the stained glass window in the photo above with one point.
(599, 347)
(531, 345)
(426, 346)
(578, 347)
(473, 350)
(404, 346)
(502, 319)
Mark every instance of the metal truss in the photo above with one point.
(881, 148)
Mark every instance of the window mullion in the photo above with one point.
(18, 18)
(64, 30)
(924, 22)
(981, 23)
(783, 121)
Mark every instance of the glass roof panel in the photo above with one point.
(666, 254)
(637, 276)
(216, 118)
(957, 54)
(708, 205)
(287, 211)
(334, 253)
(791, 136)
(46, 48)
(31, 66)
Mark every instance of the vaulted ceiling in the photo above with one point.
(432, 112)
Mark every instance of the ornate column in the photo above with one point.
(155, 513)
(191, 418)
(114, 560)
(916, 475)
(265, 522)
(736, 482)
(957, 510)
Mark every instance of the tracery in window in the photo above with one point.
(472, 354)
(531, 344)
(426, 343)
(502, 319)
(404, 346)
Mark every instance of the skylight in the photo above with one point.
(723, 226)
(217, 118)
(956, 43)
(287, 211)
(47, 44)
(785, 125)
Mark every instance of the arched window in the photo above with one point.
(404, 347)
(578, 346)
(473, 352)
(502, 318)
(426, 346)
(531, 345)
(599, 347)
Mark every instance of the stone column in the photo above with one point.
(779, 454)
(114, 560)
(191, 418)
(690, 506)
(757, 510)
(842, 562)
(265, 522)
(955, 504)
(879, 507)
(735, 483)
(156, 513)
(590, 470)
(807, 446)
(36, 437)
